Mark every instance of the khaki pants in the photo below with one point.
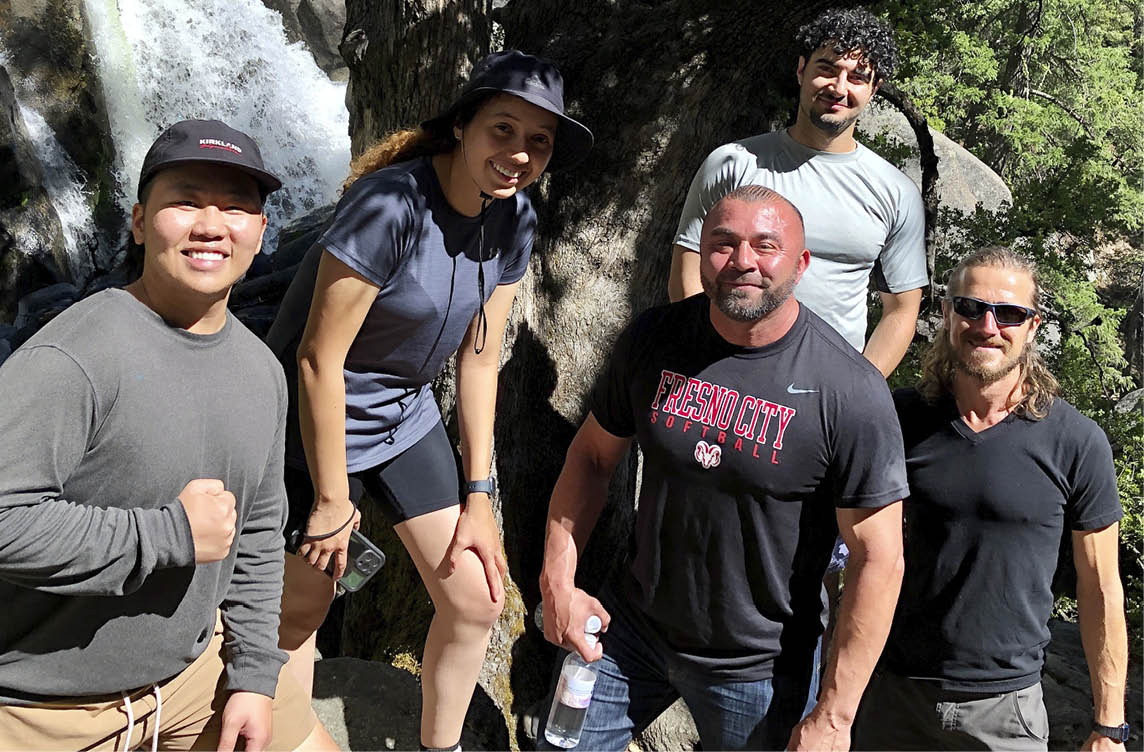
(190, 717)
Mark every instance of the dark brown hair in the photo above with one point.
(410, 143)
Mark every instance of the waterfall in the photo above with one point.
(68, 192)
(66, 188)
(161, 61)
(130, 131)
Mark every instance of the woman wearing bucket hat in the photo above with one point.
(422, 259)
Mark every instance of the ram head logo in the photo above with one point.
(708, 455)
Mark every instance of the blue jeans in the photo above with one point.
(636, 682)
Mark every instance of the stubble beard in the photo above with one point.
(830, 124)
(737, 306)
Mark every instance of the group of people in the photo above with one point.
(159, 460)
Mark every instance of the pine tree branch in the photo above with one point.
(1080, 121)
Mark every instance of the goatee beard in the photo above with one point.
(737, 308)
(986, 375)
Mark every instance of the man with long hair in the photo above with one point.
(998, 466)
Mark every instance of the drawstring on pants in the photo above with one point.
(131, 718)
(130, 721)
(158, 718)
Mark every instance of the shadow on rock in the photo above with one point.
(367, 705)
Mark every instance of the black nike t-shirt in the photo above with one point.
(747, 452)
(984, 522)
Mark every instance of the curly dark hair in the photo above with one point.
(853, 29)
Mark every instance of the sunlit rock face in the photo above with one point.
(318, 24)
(32, 252)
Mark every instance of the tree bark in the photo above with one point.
(929, 160)
(407, 59)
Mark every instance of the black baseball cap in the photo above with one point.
(534, 80)
(206, 141)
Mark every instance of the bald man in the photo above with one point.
(763, 434)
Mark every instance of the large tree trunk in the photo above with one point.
(660, 85)
(407, 59)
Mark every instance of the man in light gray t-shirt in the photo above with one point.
(862, 215)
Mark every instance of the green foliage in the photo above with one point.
(1130, 480)
(1046, 92)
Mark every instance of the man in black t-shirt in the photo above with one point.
(998, 467)
(763, 434)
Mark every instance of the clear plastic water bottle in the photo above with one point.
(573, 693)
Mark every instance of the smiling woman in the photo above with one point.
(421, 260)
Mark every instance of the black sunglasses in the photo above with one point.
(1005, 314)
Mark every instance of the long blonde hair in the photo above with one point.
(938, 364)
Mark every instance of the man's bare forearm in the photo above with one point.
(895, 330)
(581, 492)
(1104, 634)
(872, 584)
(683, 278)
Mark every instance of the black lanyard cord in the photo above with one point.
(482, 319)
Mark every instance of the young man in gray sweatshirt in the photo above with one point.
(141, 492)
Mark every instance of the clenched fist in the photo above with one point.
(210, 510)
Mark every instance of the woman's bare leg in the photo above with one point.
(459, 632)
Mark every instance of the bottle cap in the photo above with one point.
(591, 627)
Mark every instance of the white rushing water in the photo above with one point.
(66, 188)
(68, 192)
(161, 61)
(130, 131)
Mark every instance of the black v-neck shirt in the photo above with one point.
(984, 522)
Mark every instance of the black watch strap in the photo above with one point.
(486, 486)
(1115, 733)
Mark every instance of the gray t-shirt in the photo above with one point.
(108, 413)
(861, 214)
(395, 228)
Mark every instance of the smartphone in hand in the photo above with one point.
(363, 560)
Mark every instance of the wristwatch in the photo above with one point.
(486, 486)
(1115, 733)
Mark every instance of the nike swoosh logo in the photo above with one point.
(791, 390)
